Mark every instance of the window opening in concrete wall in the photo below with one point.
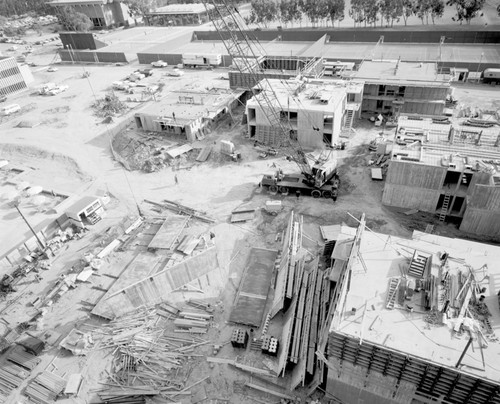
(457, 205)
(138, 122)
(451, 179)
(381, 89)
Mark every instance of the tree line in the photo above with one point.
(363, 12)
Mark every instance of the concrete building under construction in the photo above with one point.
(452, 171)
(188, 113)
(395, 87)
(412, 320)
(318, 111)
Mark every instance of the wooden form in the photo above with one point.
(154, 288)
(430, 379)
(169, 232)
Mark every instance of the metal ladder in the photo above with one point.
(391, 294)
(444, 208)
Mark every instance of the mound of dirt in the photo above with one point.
(43, 159)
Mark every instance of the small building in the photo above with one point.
(13, 78)
(102, 13)
(316, 111)
(450, 170)
(87, 210)
(190, 114)
(180, 14)
(394, 87)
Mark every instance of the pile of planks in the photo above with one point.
(127, 395)
(192, 322)
(145, 355)
(11, 377)
(45, 388)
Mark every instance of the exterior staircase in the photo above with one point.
(347, 129)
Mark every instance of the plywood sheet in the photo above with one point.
(252, 294)
(168, 232)
(154, 287)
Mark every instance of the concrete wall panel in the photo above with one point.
(415, 175)
(482, 222)
(485, 197)
(409, 197)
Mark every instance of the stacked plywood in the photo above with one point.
(45, 388)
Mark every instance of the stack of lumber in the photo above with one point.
(127, 395)
(144, 355)
(11, 377)
(201, 305)
(45, 388)
(193, 322)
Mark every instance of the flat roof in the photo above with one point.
(189, 106)
(417, 333)
(447, 53)
(82, 2)
(297, 95)
(433, 146)
(193, 8)
(81, 204)
(399, 71)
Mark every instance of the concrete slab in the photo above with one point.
(251, 299)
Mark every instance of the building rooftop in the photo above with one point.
(194, 8)
(190, 105)
(434, 142)
(429, 335)
(295, 95)
(398, 72)
(70, 2)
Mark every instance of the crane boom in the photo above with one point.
(247, 55)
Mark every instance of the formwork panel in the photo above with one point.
(402, 196)
(415, 175)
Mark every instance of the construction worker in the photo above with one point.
(176, 179)
(297, 194)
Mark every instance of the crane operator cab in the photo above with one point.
(324, 173)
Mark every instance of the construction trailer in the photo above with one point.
(85, 211)
(190, 114)
(201, 60)
(412, 320)
(394, 87)
(491, 75)
(450, 170)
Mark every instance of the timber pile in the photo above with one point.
(182, 209)
(11, 377)
(45, 388)
(193, 322)
(147, 359)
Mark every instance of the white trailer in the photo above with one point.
(201, 60)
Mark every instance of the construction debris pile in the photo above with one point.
(448, 289)
(148, 154)
(148, 360)
(109, 106)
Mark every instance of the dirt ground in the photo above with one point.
(69, 150)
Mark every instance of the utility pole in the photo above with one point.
(42, 246)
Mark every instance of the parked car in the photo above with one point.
(10, 109)
(175, 73)
(147, 72)
(52, 69)
(3, 98)
(57, 90)
(159, 63)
